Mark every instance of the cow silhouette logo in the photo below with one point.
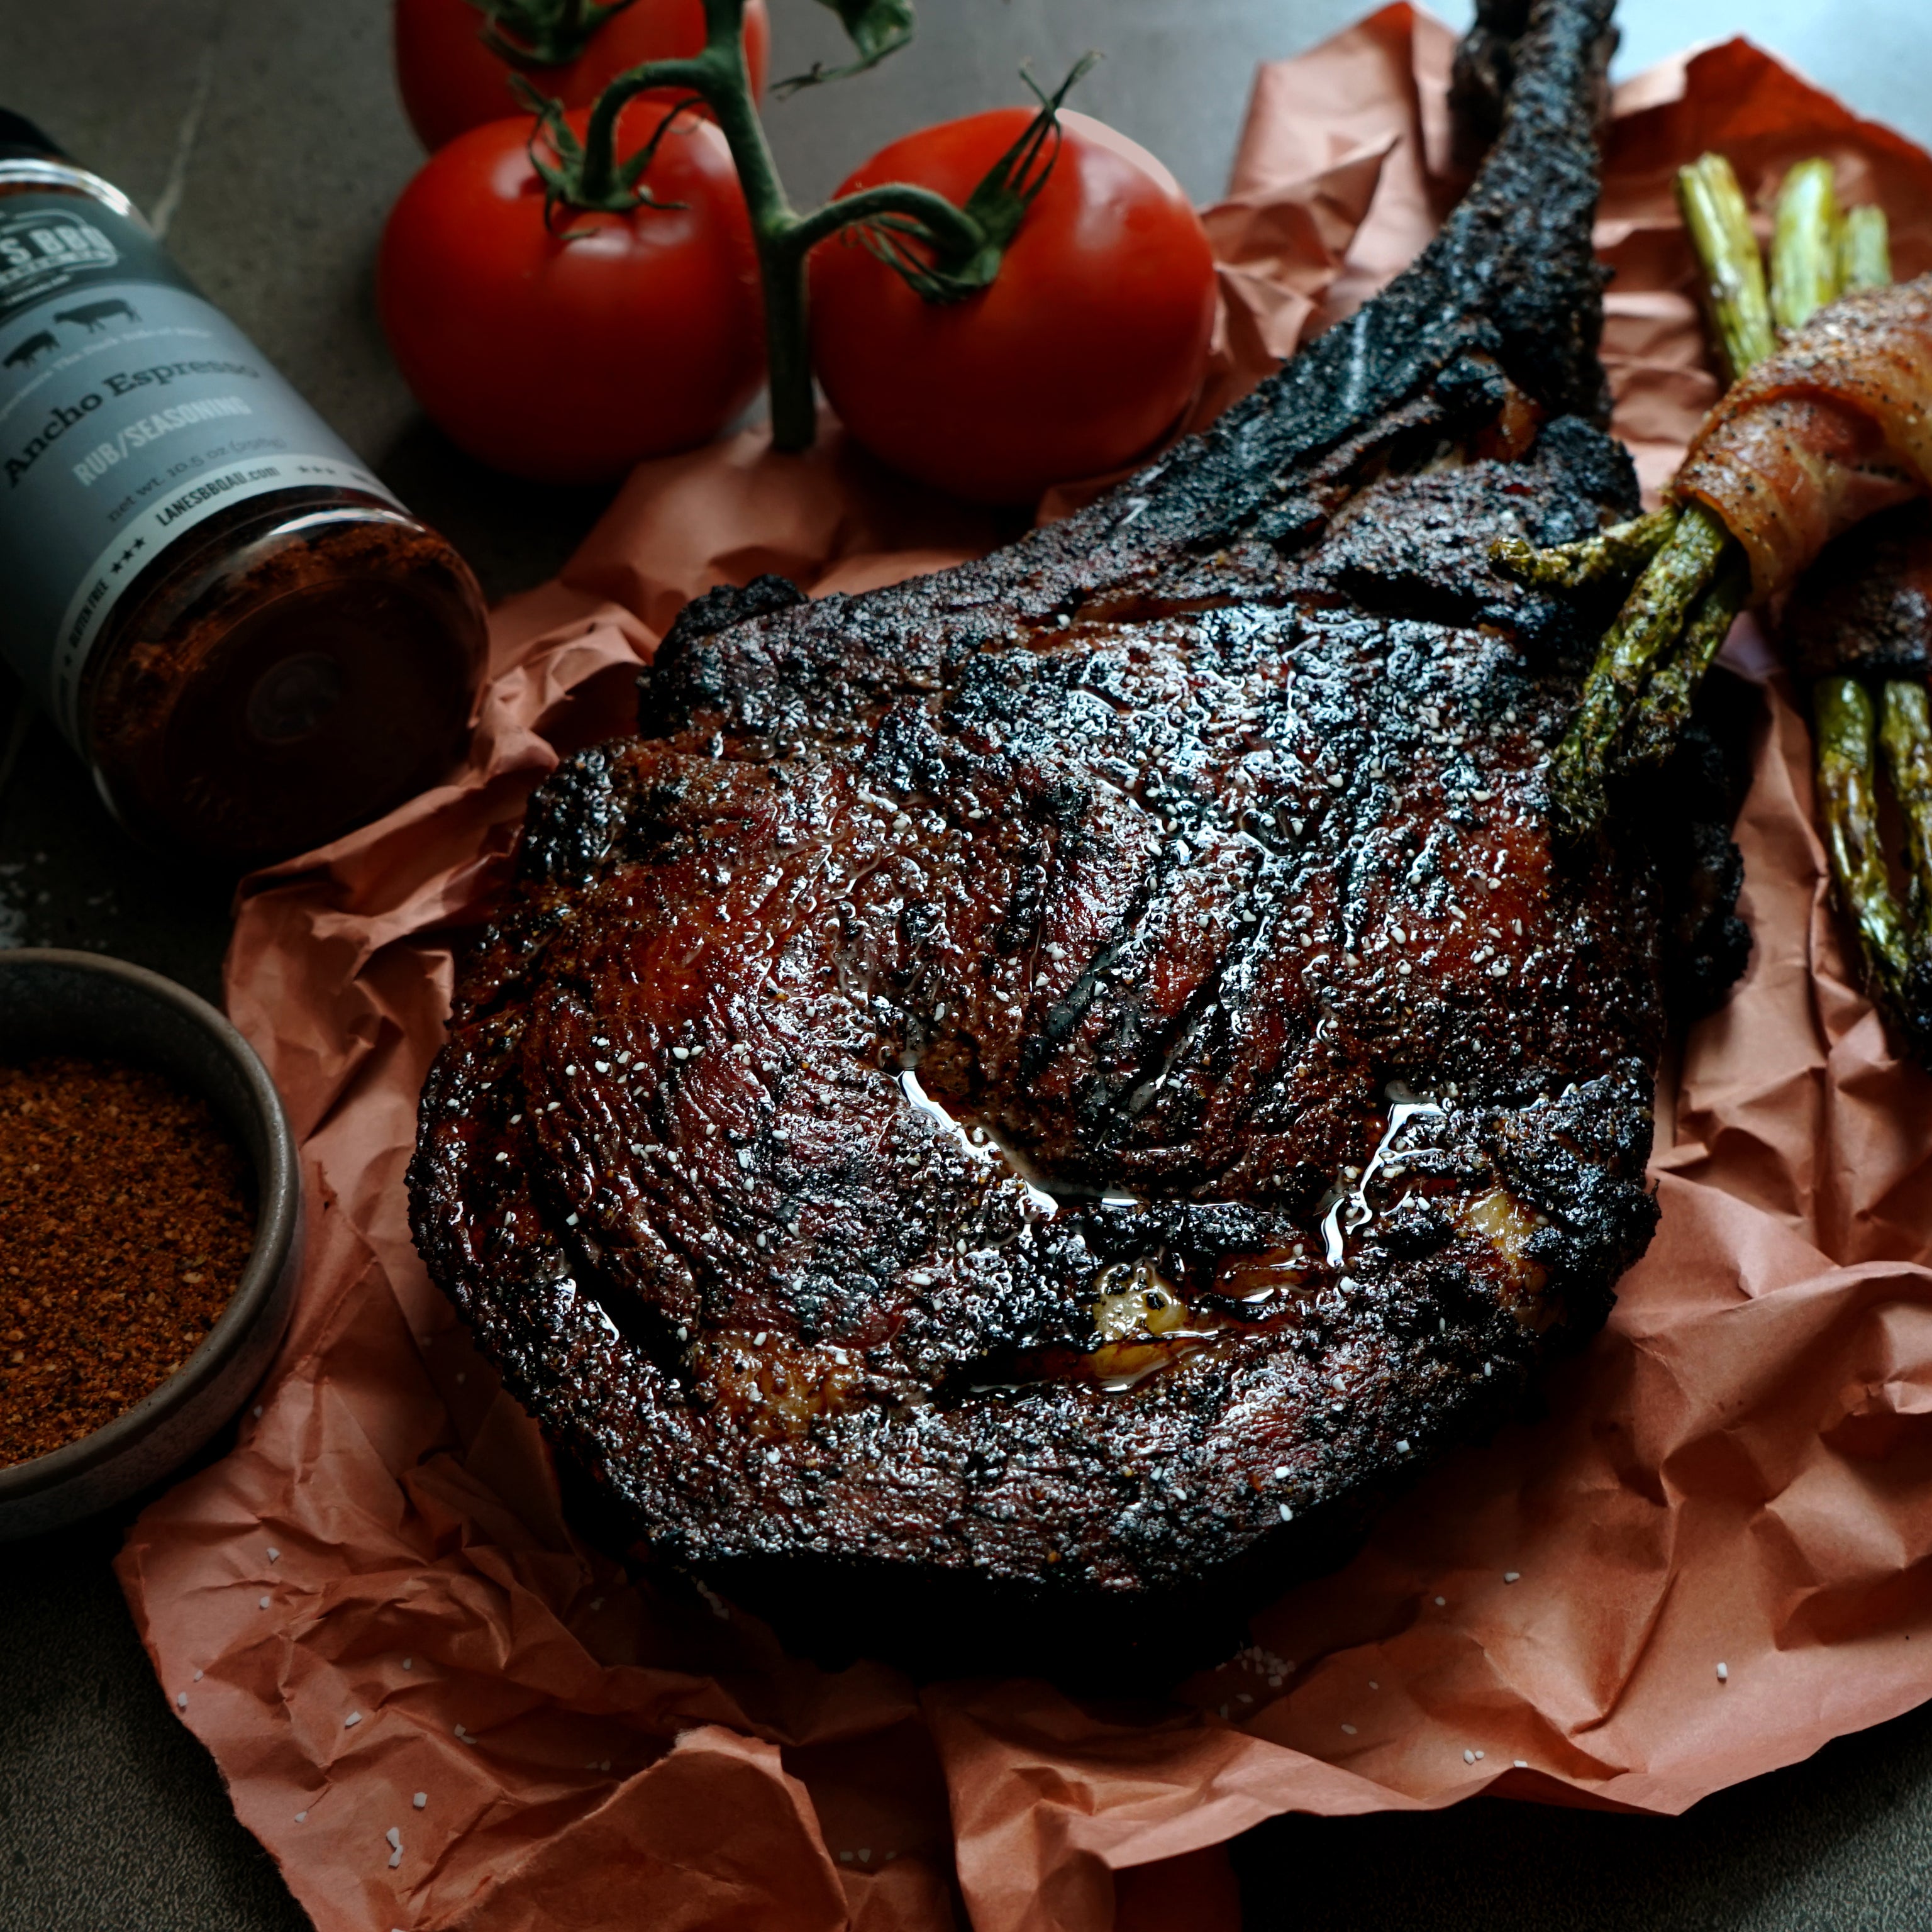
(24, 354)
(94, 317)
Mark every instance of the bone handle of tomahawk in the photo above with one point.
(1718, 221)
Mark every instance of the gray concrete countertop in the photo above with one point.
(268, 133)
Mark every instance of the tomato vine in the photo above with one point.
(542, 33)
(946, 251)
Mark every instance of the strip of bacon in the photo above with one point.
(1833, 428)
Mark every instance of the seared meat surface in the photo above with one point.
(1027, 1100)
(1866, 605)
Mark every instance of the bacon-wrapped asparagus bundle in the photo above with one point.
(1817, 434)
(1815, 437)
(1827, 430)
(1860, 623)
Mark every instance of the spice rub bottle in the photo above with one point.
(253, 644)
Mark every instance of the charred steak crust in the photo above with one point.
(1052, 1087)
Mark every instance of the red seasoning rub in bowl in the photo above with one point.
(125, 1224)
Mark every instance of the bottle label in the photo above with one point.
(131, 410)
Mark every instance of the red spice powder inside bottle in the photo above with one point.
(125, 1227)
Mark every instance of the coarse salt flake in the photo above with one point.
(1349, 1730)
(354, 1718)
(180, 1700)
(1441, 1602)
(261, 1603)
(1468, 1757)
(1723, 1673)
(395, 1835)
(421, 1800)
(1512, 1576)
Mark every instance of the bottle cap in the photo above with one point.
(18, 136)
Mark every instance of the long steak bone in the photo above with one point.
(1026, 1101)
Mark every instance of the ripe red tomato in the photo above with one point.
(450, 82)
(1080, 356)
(568, 356)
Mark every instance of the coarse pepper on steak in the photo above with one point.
(1022, 1104)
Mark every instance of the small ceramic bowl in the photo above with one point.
(80, 1003)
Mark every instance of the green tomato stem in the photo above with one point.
(532, 34)
(600, 182)
(720, 77)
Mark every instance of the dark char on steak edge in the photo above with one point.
(912, 1134)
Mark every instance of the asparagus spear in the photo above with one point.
(1842, 714)
(1805, 245)
(1898, 950)
(1619, 552)
(1865, 249)
(1673, 689)
(1674, 622)
(1719, 222)
(1907, 733)
(1650, 623)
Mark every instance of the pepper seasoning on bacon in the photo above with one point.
(1832, 428)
